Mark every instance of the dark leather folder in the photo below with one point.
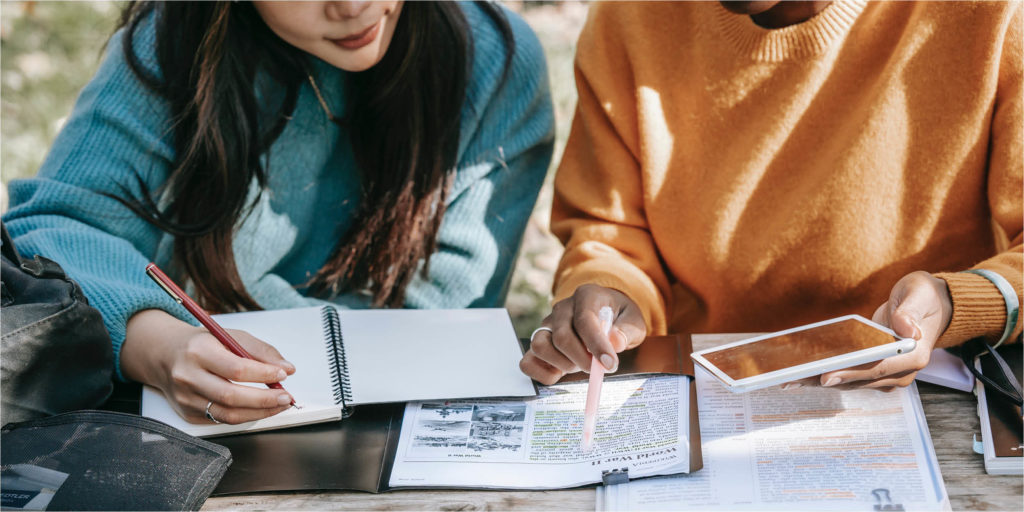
(1004, 418)
(358, 452)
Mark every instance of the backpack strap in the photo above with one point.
(39, 266)
(7, 246)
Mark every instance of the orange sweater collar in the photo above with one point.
(810, 38)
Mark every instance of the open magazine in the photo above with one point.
(647, 425)
(807, 449)
(642, 430)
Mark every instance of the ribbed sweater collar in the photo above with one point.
(806, 39)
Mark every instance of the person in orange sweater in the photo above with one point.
(753, 166)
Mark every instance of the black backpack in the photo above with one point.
(56, 352)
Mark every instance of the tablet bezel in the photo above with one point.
(898, 346)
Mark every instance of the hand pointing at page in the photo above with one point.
(576, 334)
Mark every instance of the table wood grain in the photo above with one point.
(952, 419)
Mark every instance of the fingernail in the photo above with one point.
(281, 375)
(288, 366)
(607, 361)
(791, 385)
(832, 382)
(284, 399)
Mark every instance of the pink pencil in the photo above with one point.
(597, 370)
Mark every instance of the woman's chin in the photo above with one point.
(353, 60)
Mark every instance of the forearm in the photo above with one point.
(152, 337)
(109, 269)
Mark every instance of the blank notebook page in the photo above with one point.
(428, 354)
(298, 334)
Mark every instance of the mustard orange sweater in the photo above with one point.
(731, 178)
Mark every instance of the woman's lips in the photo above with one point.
(357, 41)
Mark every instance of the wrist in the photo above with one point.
(1010, 301)
(945, 301)
(152, 337)
(979, 308)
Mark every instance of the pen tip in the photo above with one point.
(586, 444)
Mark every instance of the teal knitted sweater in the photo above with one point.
(119, 129)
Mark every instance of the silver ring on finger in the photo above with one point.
(210, 416)
(539, 329)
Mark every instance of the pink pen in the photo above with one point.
(606, 317)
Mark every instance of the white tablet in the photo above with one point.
(801, 352)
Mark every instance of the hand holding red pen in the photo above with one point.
(193, 369)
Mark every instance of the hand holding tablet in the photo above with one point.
(801, 352)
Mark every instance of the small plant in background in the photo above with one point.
(48, 51)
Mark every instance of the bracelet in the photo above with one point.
(1009, 296)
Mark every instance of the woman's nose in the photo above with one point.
(345, 9)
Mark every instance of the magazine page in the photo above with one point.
(811, 448)
(535, 443)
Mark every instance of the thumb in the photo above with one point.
(906, 319)
(919, 307)
(906, 325)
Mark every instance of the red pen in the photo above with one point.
(204, 318)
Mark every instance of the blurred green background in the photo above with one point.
(49, 50)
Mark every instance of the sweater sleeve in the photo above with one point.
(505, 149)
(114, 136)
(978, 306)
(599, 211)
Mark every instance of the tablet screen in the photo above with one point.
(796, 348)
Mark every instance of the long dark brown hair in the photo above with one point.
(404, 119)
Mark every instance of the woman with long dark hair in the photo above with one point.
(270, 155)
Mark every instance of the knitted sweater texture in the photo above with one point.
(119, 129)
(732, 178)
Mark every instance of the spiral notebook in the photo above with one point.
(346, 358)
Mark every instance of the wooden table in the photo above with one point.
(952, 419)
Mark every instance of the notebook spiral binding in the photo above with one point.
(337, 361)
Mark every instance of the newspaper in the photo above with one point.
(535, 444)
(811, 449)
